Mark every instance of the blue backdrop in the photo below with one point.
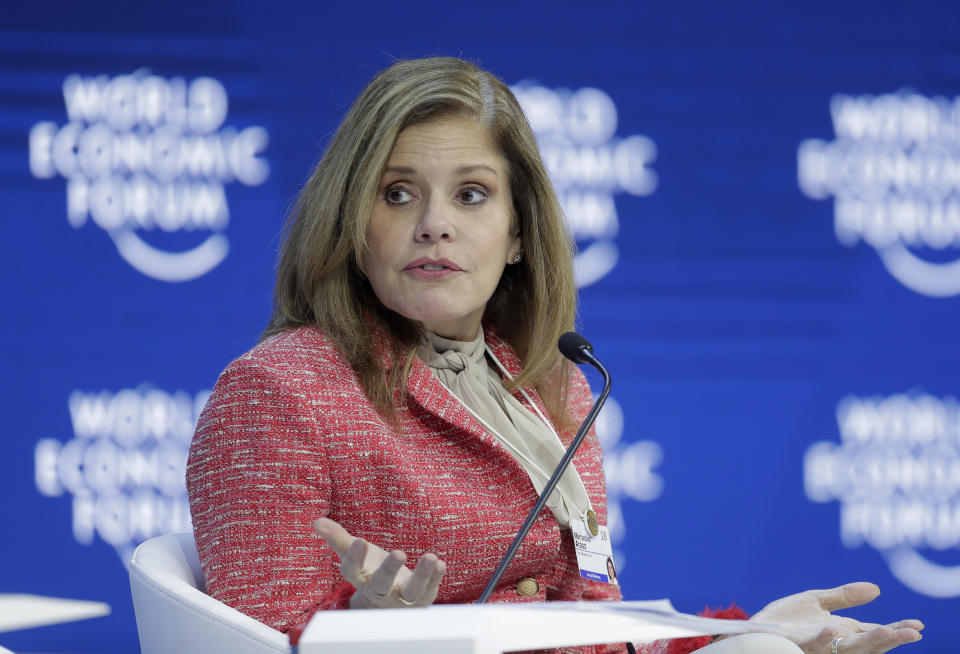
(766, 200)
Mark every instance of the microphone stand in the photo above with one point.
(583, 353)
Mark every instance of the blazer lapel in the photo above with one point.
(427, 391)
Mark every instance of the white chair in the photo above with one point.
(176, 616)
(752, 644)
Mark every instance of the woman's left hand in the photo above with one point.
(381, 578)
(806, 619)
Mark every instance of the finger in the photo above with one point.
(906, 624)
(895, 638)
(879, 640)
(336, 536)
(900, 624)
(874, 641)
(433, 587)
(821, 642)
(384, 577)
(417, 584)
(843, 597)
(861, 627)
(351, 566)
(852, 626)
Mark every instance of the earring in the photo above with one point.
(518, 257)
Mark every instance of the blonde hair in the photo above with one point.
(320, 280)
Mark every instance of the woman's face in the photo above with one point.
(441, 231)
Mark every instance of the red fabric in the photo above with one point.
(732, 612)
(289, 436)
(687, 645)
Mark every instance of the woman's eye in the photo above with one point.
(397, 195)
(472, 195)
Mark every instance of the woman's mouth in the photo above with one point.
(425, 268)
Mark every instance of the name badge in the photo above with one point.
(594, 553)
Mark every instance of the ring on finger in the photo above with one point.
(403, 600)
(835, 644)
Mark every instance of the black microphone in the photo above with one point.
(576, 348)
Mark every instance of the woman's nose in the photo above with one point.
(434, 225)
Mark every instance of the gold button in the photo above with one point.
(528, 587)
(592, 524)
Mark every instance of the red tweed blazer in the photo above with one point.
(289, 436)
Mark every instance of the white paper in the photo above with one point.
(495, 628)
(23, 611)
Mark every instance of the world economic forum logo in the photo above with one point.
(146, 160)
(894, 173)
(124, 465)
(588, 165)
(896, 474)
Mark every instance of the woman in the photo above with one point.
(407, 401)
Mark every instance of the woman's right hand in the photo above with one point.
(381, 578)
